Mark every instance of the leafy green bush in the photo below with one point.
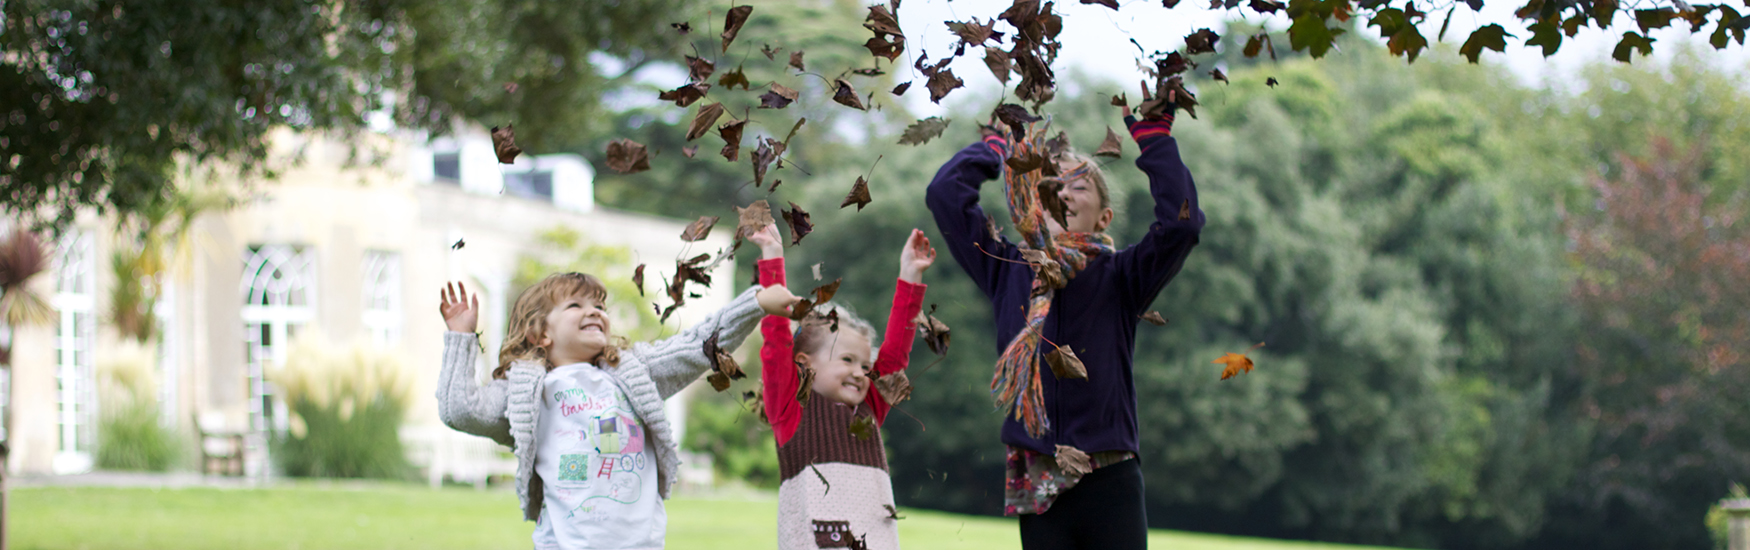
(740, 445)
(129, 435)
(346, 412)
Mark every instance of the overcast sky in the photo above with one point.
(1097, 39)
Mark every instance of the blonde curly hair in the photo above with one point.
(528, 320)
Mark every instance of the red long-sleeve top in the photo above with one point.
(778, 363)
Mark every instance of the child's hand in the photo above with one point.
(461, 311)
(917, 256)
(771, 243)
(776, 300)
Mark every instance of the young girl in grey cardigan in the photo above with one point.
(595, 453)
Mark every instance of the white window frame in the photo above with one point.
(279, 286)
(75, 331)
(382, 313)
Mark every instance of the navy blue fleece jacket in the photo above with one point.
(1097, 313)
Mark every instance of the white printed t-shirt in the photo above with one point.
(599, 478)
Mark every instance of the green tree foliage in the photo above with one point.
(98, 100)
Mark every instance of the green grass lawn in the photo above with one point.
(389, 516)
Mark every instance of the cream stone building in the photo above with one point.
(355, 253)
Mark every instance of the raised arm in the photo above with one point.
(1152, 262)
(953, 200)
(908, 300)
(463, 404)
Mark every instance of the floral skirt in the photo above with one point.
(1032, 480)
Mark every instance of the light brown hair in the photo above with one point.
(814, 334)
(528, 319)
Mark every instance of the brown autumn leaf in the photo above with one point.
(869, 71)
(734, 78)
(941, 83)
(998, 62)
(796, 60)
(1112, 147)
(779, 97)
(862, 427)
(801, 224)
(627, 157)
(935, 332)
(682, 27)
(1016, 117)
(1155, 318)
(974, 33)
(1271, 81)
(731, 132)
(1202, 41)
(638, 279)
(846, 95)
(1045, 269)
(704, 120)
(1218, 75)
(1185, 210)
(1026, 163)
(1108, 3)
(699, 69)
(459, 244)
(922, 131)
(752, 219)
(1186, 100)
(1236, 363)
(859, 194)
(892, 513)
(824, 293)
(763, 155)
(699, 229)
(771, 53)
(881, 20)
(721, 360)
(881, 47)
(690, 150)
(1053, 204)
(732, 23)
(718, 381)
(504, 144)
(1055, 146)
(821, 294)
(686, 95)
(901, 88)
(894, 387)
(1072, 460)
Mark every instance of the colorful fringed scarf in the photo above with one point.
(1016, 384)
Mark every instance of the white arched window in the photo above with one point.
(382, 296)
(74, 300)
(279, 296)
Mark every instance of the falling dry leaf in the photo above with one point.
(686, 95)
(1218, 75)
(1051, 202)
(752, 219)
(779, 97)
(504, 144)
(718, 381)
(732, 23)
(1065, 365)
(771, 53)
(731, 132)
(1155, 318)
(901, 88)
(941, 83)
(690, 150)
(704, 121)
(627, 157)
(721, 360)
(1073, 461)
(1271, 82)
(859, 194)
(699, 229)
(683, 28)
(800, 223)
(1047, 270)
(871, 71)
(998, 62)
(881, 20)
(1112, 147)
(1185, 210)
(1024, 163)
(734, 78)
(1120, 101)
(973, 33)
(936, 334)
(881, 47)
(894, 387)
(1202, 41)
(796, 60)
(699, 69)
(459, 244)
(1236, 363)
(1016, 117)
(923, 131)
(638, 279)
(846, 95)
(892, 513)
(862, 427)
(763, 155)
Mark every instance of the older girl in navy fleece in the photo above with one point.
(1074, 480)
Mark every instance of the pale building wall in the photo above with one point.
(340, 213)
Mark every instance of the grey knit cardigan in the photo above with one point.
(505, 409)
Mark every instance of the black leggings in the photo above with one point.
(1104, 510)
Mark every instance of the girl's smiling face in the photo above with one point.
(840, 369)
(577, 330)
